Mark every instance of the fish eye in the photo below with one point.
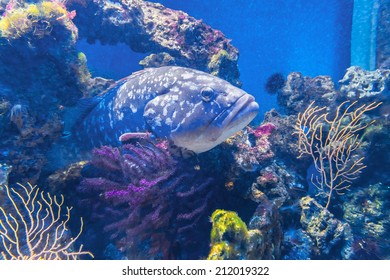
(207, 93)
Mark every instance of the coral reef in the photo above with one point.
(277, 184)
(252, 147)
(26, 141)
(148, 200)
(331, 238)
(41, 36)
(152, 28)
(281, 183)
(145, 201)
(368, 85)
(376, 139)
(359, 83)
(283, 140)
(364, 87)
(296, 245)
(66, 178)
(300, 91)
(223, 65)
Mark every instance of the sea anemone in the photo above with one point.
(18, 115)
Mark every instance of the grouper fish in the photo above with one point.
(194, 110)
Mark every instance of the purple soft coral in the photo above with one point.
(159, 202)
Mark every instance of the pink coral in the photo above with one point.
(264, 130)
(266, 178)
(250, 155)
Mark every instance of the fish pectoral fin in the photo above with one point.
(125, 137)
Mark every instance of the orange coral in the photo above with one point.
(333, 143)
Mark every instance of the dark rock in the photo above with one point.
(300, 91)
(367, 211)
(275, 83)
(358, 83)
(159, 60)
(331, 238)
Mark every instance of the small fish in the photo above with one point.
(192, 109)
(305, 129)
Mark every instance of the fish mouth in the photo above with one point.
(233, 119)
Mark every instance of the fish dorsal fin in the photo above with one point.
(74, 115)
(114, 87)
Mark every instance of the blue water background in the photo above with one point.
(310, 36)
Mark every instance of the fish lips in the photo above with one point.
(233, 119)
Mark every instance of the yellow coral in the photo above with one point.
(239, 136)
(216, 60)
(83, 72)
(52, 9)
(231, 239)
(221, 251)
(33, 10)
(30, 18)
(15, 24)
(4, 25)
(227, 222)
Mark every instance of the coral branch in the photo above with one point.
(32, 228)
(333, 144)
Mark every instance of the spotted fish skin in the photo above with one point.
(193, 109)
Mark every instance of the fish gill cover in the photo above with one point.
(310, 181)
